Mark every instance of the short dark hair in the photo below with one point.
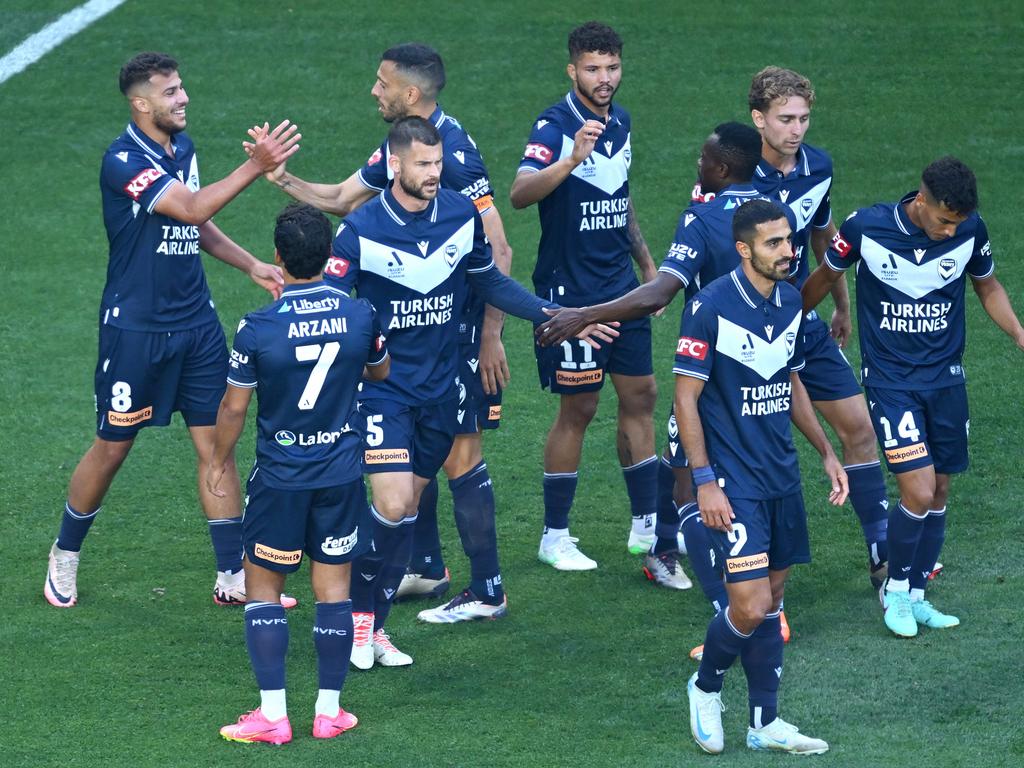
(749, 215)
(419, 63)
(409, 129)
(302, 237)
(773, 83)
(594, 37)
(739, 147)
(143, 66)
(952, 183)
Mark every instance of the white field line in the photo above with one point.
(49, 37)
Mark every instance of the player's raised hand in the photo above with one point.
(715, 509)
(274, 174)
(564, 324)
(272, 147)
(837, 475)
(269, 277)
(604, 331)
(585, 139)
(212, 477)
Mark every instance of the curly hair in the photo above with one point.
(594, 37)
(142, 67)
(302, 237)
(773, 83)
(952, 183)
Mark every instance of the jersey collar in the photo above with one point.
(437, 116)
(583, 114)
(803, 167)
(401, 216)
(907, 227)
(745, 189)
(296, 289)
(146, 144)
(749, 293)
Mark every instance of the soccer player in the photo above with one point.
(576, 167)
(703, 249)
(411, 252)
(912, 260)
(800, 176)
(304, 355)
(409, 79)
(737, 389)
(161, 347)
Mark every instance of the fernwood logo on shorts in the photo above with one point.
(386, 456)
(277, 555)
(746, 563)
(909, 453)
(576, 378)
(129, 419)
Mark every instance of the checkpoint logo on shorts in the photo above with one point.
(746, 563)
(907, 453)
(142, 182)
(494, 413)
(116, 419)
(694, 348)
(387, 456)
(579, 378)
(340, 546)
(278, 556)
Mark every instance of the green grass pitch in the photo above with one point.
(589, 669)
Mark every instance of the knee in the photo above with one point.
(641, 399)
(112, 453)
(577, 411)
(394, 507)
(858, 441)
(941, 494)
(747, 615)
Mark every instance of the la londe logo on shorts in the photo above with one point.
(340, 546)
(279, 556)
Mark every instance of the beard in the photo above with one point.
(770, 269)
(595, 99)
(418, 191)
(166, 123)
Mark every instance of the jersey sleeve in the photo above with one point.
(698, 333)
(132, 174)
(797, 361)
(464, 170)
(689, 249)
(242, 366)
(378, 346)
(374, 174)
(342, 268)
(844, 250)
(981, 264)
(480, 258)
(543, 147)
(823, 215)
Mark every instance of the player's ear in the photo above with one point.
(570, 70)
(412, 95)
(757, 116)
(744, 249)
(277, 258)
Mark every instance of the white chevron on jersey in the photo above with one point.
(805, 206)
(765, 358)
(606, 173)
(411, 270)
(910, 278)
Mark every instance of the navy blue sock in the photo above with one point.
(668, 515)
(933, 535)
(642, 488)
(226, 536)
(473, 499)
(266, 636)
(559, 491)
(762, 661)
(905, 531)
(74, 526)
(394, 545)
(722, 644)
(426, 540)
(703, 558)
(365, 571)
(871, 503)
(332, 636)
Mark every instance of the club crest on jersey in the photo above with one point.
(673, 427)
(806, 205)
(790, 343)
(451, 254)
(947, 268)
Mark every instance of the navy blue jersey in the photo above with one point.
(305, 355)
(584, 252)
(745, 346)
(910, 294)
(155, 279)
(703, 248)
(807, 191)
(413, 267)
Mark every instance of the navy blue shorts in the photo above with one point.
(405, 438)
(477, 409)
(917, 429)
(766, 535)
(676, 454)
(331, 525)
(142, 377)
(574, 366)
(827, 374)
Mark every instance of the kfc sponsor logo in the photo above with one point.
(378, 343)
(579, 378)
(538, 152)
(692, 348)
(375, 157)
(746, 563)
(278, 556)
(129, 419)
(336, 266)
(840, 246)
(908, 453)
(142, 182)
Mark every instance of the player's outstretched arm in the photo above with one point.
(801, 413)
(271, 149)
(715, 509)
(221, 247)
(230, 422)
(530, 187)
(494, 371)
(818, 285)
(996, 302)
(842, 322)
(638, 246)
(642, 301)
